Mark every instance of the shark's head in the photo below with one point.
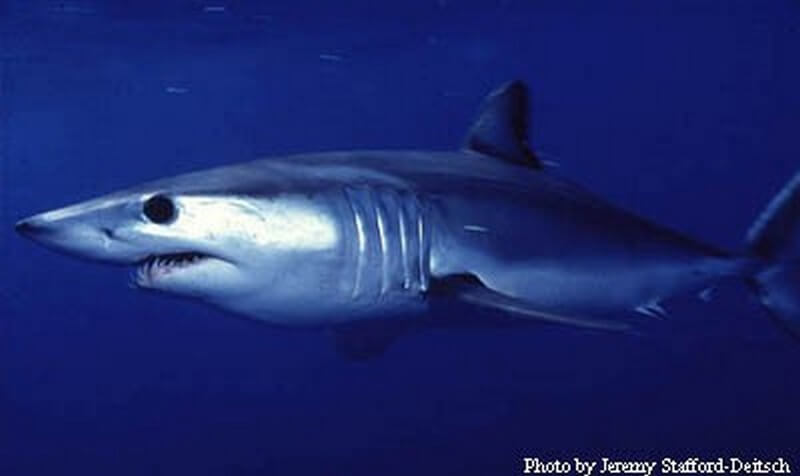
(226, 248)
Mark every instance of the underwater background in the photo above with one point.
(685, 111)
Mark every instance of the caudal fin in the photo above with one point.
(770, 239)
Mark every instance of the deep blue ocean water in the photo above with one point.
(685, 111)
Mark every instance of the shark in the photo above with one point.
(361, 241)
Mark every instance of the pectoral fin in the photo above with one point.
(364, 340)
(470, 290)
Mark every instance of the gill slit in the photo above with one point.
(384, 245)
(361, 244)
(392, 241)
(401, 218)
(423, 251)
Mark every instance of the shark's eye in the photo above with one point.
(160, 209)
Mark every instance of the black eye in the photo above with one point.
(160, 209)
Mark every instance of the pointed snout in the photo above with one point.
(31, 227)
(80, 232)
(25, 227)
(72, 235)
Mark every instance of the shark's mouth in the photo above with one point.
(157, 266)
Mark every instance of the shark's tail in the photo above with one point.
(770, 240)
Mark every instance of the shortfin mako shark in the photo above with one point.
(345, 239)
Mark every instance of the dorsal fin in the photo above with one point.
(501, 129)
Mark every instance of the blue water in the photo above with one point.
(685, 111)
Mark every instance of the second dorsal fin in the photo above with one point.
(501, 129)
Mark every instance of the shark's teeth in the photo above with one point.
(160, 265)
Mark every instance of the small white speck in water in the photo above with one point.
(330, 57)
(73, 9)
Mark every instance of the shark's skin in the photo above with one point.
(331, 238)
